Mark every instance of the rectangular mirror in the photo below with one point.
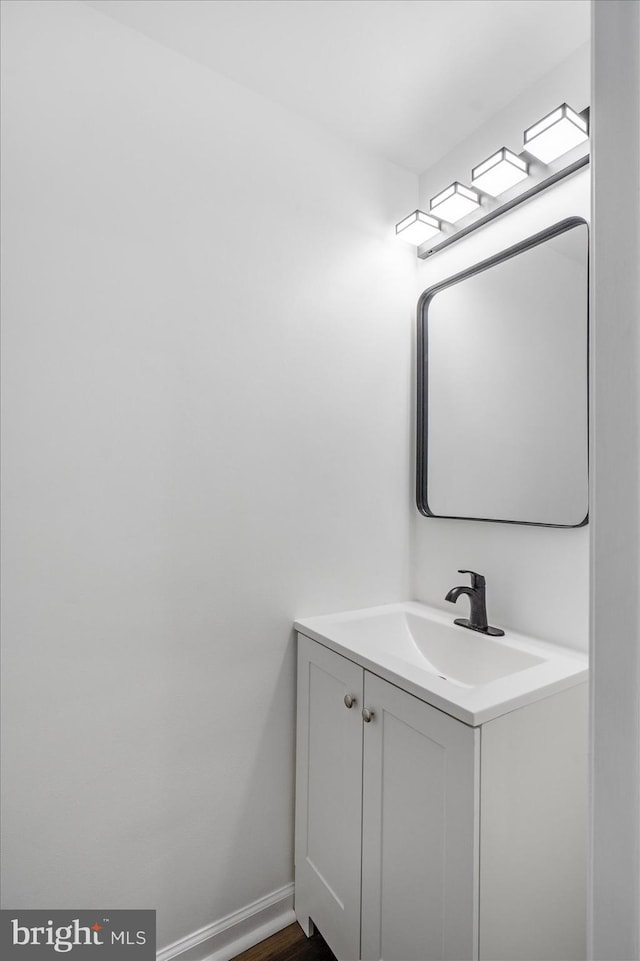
(503, 386)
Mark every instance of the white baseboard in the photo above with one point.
(236, 933)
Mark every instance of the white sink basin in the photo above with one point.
(465, 673)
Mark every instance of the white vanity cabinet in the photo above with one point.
(421, 838)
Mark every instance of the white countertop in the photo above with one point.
(468, 675)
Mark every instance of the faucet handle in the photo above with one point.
(477, 580)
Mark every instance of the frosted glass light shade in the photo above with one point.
(455, 202)
(556, 134)
(501, 171)
(418, 227)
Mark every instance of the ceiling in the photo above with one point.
(404, 79)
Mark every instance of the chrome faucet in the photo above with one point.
(477, 620)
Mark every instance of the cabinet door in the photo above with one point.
(420, 831)
(329, 797)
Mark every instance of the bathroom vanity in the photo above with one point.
(440, 791)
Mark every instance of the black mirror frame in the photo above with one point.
(422, 358)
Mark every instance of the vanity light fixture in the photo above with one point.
(559, 132)
(418, 227)
(455, 202)
(556, 134)
(501, 171)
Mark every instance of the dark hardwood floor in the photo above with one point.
(290, 944)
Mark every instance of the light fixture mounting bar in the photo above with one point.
(509, 205)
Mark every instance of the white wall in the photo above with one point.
(537, 578)
(207, 360)
(615, 492)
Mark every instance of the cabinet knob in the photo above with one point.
(367, 715)
(350, 700)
